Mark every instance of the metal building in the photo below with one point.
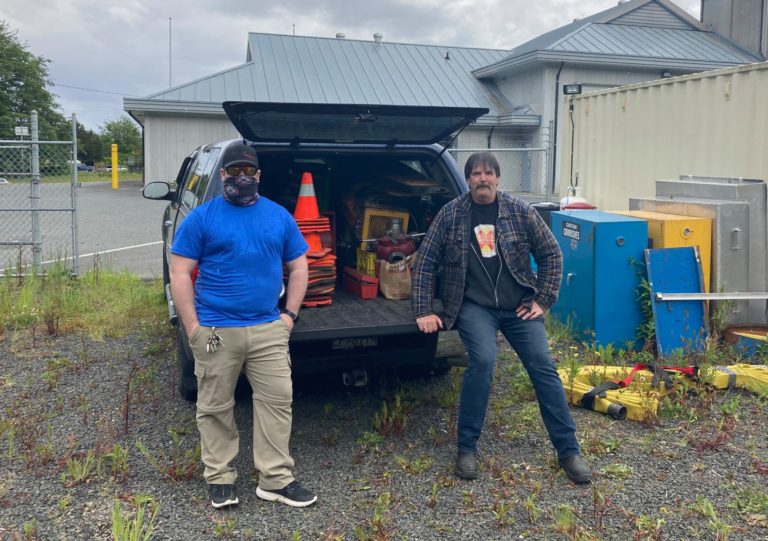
(633, 41)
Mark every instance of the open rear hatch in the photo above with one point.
(298, 123)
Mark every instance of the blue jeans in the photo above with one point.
(478, 327)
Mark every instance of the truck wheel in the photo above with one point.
(186, 363)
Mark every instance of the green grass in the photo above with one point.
(82, 176)
(100, 303)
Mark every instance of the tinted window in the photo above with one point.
(198, 177)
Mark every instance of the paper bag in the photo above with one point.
(395, 278)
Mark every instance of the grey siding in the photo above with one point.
(168, 139)
(652, 15)
(525, 88)
(743, 21)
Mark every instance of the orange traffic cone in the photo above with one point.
(306, 204)
(313, 239)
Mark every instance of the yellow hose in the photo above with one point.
(639, 401)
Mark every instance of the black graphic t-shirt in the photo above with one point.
(489, 281)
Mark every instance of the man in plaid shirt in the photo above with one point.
(483, 241)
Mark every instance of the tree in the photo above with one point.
(90, 146)
(23, 89)
(126, 136)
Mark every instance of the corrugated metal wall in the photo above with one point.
(709, 124)
(170, 138)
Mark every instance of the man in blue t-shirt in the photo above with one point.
(239, 243)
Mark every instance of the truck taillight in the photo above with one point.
(194, 274)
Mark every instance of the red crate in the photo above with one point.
(359, 284)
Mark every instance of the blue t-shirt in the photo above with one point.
(240, 253)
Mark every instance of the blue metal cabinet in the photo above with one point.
(602, 266)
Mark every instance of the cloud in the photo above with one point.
(122, 46)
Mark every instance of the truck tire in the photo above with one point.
(186, 365)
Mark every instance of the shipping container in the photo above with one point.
(713, 124)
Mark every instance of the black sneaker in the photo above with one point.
(293, 494)
(466, 465)
(222, 495)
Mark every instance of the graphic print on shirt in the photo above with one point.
(486, 239)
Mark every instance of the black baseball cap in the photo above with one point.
(239, 153)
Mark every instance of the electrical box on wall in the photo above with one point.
(602, 267)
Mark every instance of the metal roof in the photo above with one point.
(297, 69)
(653, 32)
(616, 39)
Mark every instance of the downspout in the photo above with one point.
(554, 135)
(490, 134)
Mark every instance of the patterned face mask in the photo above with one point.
(241, 190)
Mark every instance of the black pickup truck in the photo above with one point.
(359, 157)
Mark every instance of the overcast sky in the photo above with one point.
(103, 50)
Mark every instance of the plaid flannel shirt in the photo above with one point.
(520, 232)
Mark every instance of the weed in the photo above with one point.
(732, 407)
(119, 460)
(80, 471)
(432, 500)
(139, 524)
(416, 466)
(331, 438)
(447, 392)
(558, 331)
(531, 509)
(599, 444)
(500, 511)
(565, 520)
(224, 528)
(180, 465)
(617, 471)
(648, 528)
(379, 522)
(468, 500)
(647, 329)
(29, 530)
(65, 501)
(523, 421)
(750, 501)
(520, 386)
(391, 420)
(82, 406)
(705, 508)
(600, 501)
(370, 441)
(101, 302)
(718, 318)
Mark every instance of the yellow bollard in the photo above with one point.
(114, 167)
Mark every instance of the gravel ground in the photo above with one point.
(700, 475)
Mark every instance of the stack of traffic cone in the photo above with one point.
(322, 263)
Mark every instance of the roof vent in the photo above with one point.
(377, 38)
(340, 35)
(577, 19)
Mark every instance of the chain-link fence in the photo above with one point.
(524, 162)
(38, 210)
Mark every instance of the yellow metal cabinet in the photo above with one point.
(675, 231)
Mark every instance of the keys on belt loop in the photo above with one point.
(214, 341)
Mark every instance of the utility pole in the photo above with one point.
(170, 57)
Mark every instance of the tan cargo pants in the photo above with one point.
(262, 351)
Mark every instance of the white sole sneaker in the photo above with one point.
(226, 503)
(275, 497)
